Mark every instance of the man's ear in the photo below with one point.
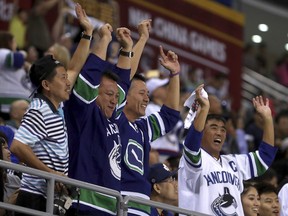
(45, 84)
(157, 188)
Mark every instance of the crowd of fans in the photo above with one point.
(159, 136)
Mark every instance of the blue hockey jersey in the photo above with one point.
(94, 140)
(136, 137)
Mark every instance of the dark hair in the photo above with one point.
(267, 176)
(6, 39)
(3, 136)
(281, 114)
(216, 117)
(247, 185)
(43, 69)
(264, 188)
(110, 75)
(139, 77)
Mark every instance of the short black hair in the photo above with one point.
(3, 137)
(248, 184)
(43, 68)
(264, 188)
(216, 117)
(281, 114)
(111, 75)
(139, 77)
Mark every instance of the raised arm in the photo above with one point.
(126, 42)
(170, 62)
(203, 105)
(81, 53)
(263, 109)
(100, 48)
(144, 28)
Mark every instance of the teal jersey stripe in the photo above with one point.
(85, 90)
(140, 207)
(89, 92)
(261, 169)
(98, 200)
(156, 131)
(193, 158)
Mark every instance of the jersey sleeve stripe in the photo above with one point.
(157, 126)
(193, 158)
(85, 91)
(259, 166)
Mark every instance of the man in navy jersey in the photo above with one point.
(136, 133)
(41, 140)
(94, 138)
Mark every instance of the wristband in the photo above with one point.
(127, 54)
(175, 74)
(87, 37)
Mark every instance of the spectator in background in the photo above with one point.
(38, 33)
(169, 144)
(9, 133)
(283, 197)
(18, 25)
(17, 110)
(262, 60)
(250, 199)
(60, 53)
(270, 177)
(11, 181)
(164, 188)
(14, 80)
(194, 77)
(269, 201)
(281, 70)
(249, 57)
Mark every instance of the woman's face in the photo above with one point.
(250, 202)
(6, 152)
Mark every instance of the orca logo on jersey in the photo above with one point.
(224, 205)
(134, 156)
(115, 159)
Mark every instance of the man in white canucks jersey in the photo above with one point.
(41, 140)
(211, 183)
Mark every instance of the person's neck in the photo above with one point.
(52, 99)
(129, 116)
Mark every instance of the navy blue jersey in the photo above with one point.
(136, 138)
(94, 140)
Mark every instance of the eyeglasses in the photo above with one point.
(169, 180)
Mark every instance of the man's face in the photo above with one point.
(6, 152)
(108, 96)
(283, 126)
(137, 99)
(214, 136)
(59, 86)
(169, 191)
(269, 204)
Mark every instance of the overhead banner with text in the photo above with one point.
(203, 33)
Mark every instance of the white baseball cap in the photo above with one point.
(155, 83)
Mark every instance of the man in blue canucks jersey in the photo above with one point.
(211, 183)
(41, 140)
(137, 133)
